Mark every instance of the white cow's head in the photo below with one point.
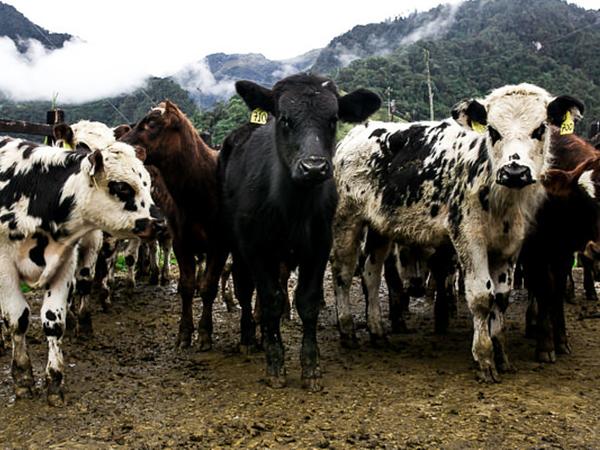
(515, 120)
(120, 199)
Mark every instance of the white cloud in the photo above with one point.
(198, 77)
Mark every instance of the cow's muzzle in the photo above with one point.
(150, 228)
(514, 176)
(313, 169)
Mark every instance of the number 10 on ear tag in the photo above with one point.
(568, 126)
(259, 116)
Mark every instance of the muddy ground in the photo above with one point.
(129, 387)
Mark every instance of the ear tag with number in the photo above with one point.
(259, 116)
(568, 125)
(477, 127)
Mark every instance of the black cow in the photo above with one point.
(279, 199)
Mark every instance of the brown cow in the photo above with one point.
(189, 169)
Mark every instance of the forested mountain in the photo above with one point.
(19, 28)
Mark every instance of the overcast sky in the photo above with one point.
(126, 40)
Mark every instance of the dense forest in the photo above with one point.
(472, 48)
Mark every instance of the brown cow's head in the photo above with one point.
(163, 132)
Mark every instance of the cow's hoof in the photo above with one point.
(312, 384)
(184, 339)
(563, 348)
(105, 300)
(349, 341)
(545, 356)
(204, 341)
(276, 381)
(505, 367)
(23, 392)
(488, 375)
(379, 340)
(56, 399)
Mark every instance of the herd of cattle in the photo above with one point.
(503, 184)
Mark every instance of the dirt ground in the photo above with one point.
(129, 387)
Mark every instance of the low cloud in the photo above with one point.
(434, 28)
(197, 78)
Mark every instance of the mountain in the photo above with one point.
(19, 28)
(212, 78)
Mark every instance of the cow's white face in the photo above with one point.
(516, 121)
(120, 185)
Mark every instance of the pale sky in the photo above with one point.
(127, 40)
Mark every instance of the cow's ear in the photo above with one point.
(470, 114)
(560, 106)
(140, 152)
(62, 131)
(121, 131)
(256, 96)
(97, 163)
(358, 105)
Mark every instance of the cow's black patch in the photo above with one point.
(377, 133)
(5, 141)
(83, 287)
(16, 236)
(129, 260)
(502, 278)
(488, 284)
(7, 217)
(36, 254)
(50, 315)
(506, 227)
(85, 272)
(482, 158)
(435, 209)
(124, 192)
(484, 194)
(53, 330)
(23, 322)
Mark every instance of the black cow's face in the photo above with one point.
(306, 109)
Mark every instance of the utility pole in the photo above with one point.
(426, 54)
(389, 103)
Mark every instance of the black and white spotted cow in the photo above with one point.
(49, 199)
(469, 182)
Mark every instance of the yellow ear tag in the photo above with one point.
(477, 127)
(259, 116)
(568, 126)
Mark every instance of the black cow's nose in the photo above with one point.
(315, 167)
(514, 176)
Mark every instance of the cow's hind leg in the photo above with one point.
(165, 274)
(53, 315)
(244, 288)
(346, 246)
(442, 267)
(588, 278)
(153, 261)
(89, 249)
(16, 313)
(376, 252)
(502, 277)
(131, 257)
(398, 296)
(209, 288)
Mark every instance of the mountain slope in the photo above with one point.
(17, 27)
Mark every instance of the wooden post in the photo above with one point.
(20, 126)
(53, 117)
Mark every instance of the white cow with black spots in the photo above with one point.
(49, 199)
(471, 183)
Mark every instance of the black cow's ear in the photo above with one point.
(255, 96)
(470, 114)
(558, 108)
(62, 131)
(358, 105)
(97, 163)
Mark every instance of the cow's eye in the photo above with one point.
(151, 124)
(121, 189)
(494, 135)
(538, 133)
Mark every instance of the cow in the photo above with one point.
(279, 199)
(49, 199)
(568, 221)
(189, 170)
(470, 182)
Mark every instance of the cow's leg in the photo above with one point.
(272, 299)
(502, 278)
(16, 314)
(441, 266)
(398, 297)
(531, 316)
(104, 270)
(209, 288)
(153, 260)
(226, 293)
(186, 288)
(570, 288)
(561, 342)
(284, 277)
(89, 248)
(588, 278)
(540, 283)
(244, 287)
(346, 245)
(308, 299)
(53, 316)
(376, 252)
(165, 273)
(480, 298)
(131, 257)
